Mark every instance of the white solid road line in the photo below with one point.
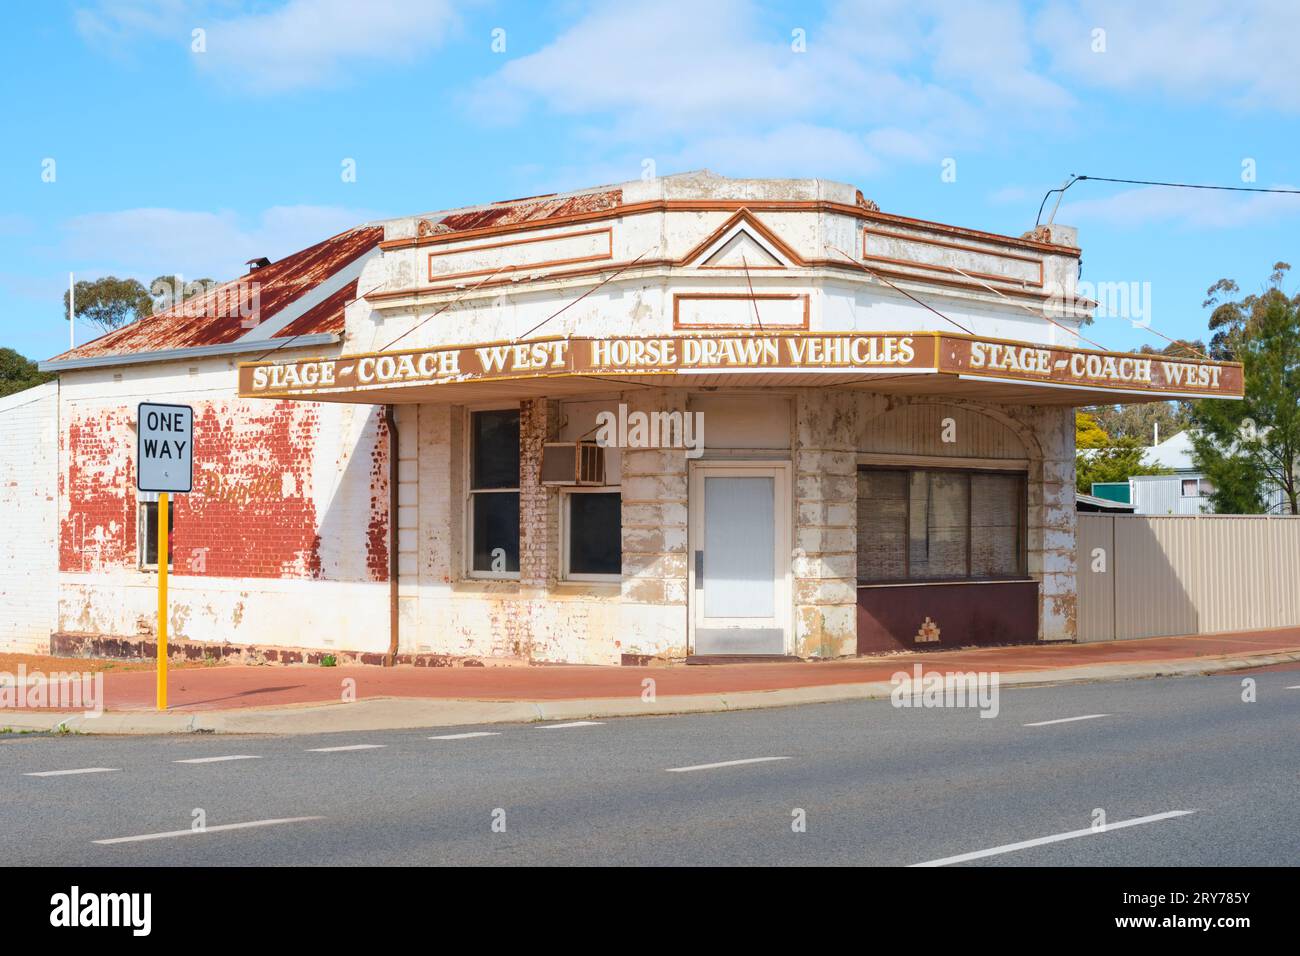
(1064, 720)
(1055, 838)
(335, 750)
(217, 829)
(572, 723)
(725, 763)
(65, 773)
(466, 736)
(218, 759)
(1294, 687)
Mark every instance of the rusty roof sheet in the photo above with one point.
(222, 315)
(516, 211)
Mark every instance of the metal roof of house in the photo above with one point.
(1094, 503)
(1174, 452)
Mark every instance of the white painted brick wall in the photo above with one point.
(29, 511)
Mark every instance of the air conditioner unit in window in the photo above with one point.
(573, 463)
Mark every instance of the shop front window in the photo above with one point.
(494, 493)
(930, 524)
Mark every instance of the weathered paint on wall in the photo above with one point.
(283, 539)
(28, 503)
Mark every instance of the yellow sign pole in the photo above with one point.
(164, 556)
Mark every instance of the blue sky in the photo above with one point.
(167, 158)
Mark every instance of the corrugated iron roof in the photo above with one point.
(223, 314)
(516, 211)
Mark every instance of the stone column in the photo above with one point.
(654, 489)
(1053, 523)
(539, 507)
(825, 564)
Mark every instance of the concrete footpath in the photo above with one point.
(304, 699)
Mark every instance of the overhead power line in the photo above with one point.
(1152, 182)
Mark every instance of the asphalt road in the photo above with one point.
(877, 785)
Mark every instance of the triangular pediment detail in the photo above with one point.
(740, 251)
(742, 242)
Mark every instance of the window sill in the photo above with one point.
(486, 586)
(601, 589)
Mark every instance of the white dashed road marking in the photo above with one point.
(725, 763)
(218, 759)
(466, 736)
(217, 829)
(335, 750)
(1056, 838)
(1064, 720)
(65, 773)
(572, 723)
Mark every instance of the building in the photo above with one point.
(1184, 491)
(683, 417)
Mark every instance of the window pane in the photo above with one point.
(496, 531)
(995, 525)
(882, 525)
(494, 441)
(939, 525)
(595, 534)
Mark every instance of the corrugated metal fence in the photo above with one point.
(1152, 576)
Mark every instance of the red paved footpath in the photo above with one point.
(236, 686)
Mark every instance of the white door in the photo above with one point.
(740, 558)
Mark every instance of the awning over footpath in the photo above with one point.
(894, 362)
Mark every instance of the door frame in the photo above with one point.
(782, 516)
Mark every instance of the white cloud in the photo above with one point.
(118, 24)
(296, 45)
(719, 85)
(673, 65)
(1191, 208)
(149, 242)
(1243, 54)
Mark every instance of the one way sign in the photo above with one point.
(164, 448)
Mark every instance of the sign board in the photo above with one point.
(784, 352)
(164, 458)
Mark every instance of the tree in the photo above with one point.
(18, 373)
(1139, 421)
(167, 291)
(110, 302)
(1087, 432)
(1100, 458)
(1251, 447)
(1234, 320)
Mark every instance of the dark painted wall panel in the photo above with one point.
(1004, 612)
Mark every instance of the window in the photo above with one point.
(940, 525)
(1197, 488)
(147, 530)
(593, 535)
(494, 493)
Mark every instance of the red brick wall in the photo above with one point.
(252, 512)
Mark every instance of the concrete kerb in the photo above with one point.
(405, 713)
